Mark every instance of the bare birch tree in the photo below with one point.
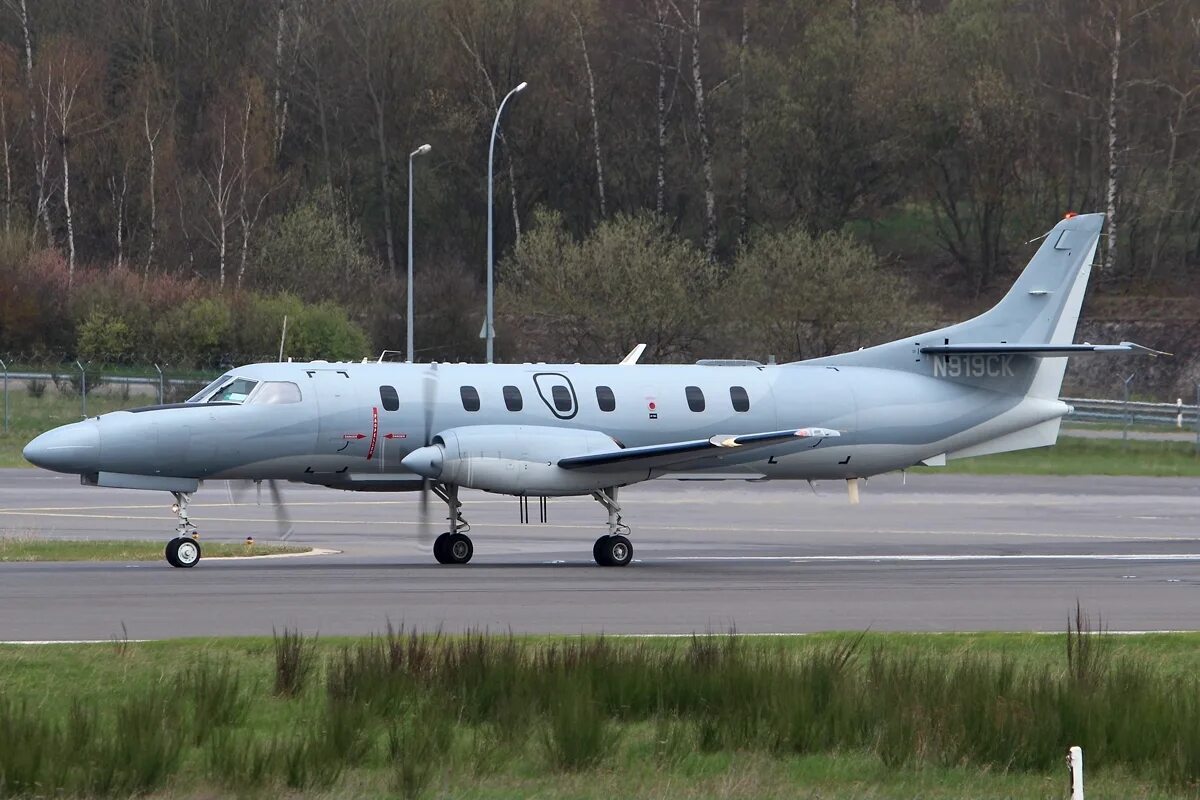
(219, 183)
(706, 158)
(1110, 193)
(118, 191)
(41, 158)
(71, 72)
(591, 78)
(744, 128)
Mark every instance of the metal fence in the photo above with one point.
(1128, 412)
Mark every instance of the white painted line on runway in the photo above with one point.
(955, 557)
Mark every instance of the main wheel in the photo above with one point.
(183, 551)
(613, 551)
(459, 548)
(172, 548)
(440, 549)
(598, 551)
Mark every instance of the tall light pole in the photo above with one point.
(489, 327)
(420, 151)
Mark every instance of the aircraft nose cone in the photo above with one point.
(425, 461)
(73, 448)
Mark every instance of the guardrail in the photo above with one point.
(1177, 414)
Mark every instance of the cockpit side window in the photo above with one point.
(207, 390)
(276, 393)
(235, 391)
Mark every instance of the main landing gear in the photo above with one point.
(613, 549)
(453, 546)
(184, 549)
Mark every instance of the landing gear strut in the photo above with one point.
(454, 546)
(613, 549)
(184, 549)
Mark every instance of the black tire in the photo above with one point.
(617, 551)
(172, 549)
(440, 549)
(187, 552)
(598, 551)
(459, 548)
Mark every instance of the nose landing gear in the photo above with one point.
(184, 549)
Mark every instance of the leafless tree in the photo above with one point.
(41, 158)
(706, 156)
(118, 191)
(219, 183)
(591, 78)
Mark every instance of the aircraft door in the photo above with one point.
(347, 429)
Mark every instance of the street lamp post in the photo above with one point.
(489, 327)
(420, 151)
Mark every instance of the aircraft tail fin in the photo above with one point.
(1021, 344)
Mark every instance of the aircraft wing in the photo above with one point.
(1037, 350)
(673, 454)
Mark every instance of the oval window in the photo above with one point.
(605, 398)
(739, 398)
(512, 398)
(470, 398)
(389, 398)
(695, 398)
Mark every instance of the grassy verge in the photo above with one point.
(830, 716)
(1078, 456)
(22, 548)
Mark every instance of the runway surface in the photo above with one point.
(942, 553)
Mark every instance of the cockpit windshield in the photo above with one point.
(200, 396)
(235, 391)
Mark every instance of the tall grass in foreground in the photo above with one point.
(413, 707)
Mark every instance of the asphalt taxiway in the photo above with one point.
(940, 553)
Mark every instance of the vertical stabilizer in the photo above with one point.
(1042, 307)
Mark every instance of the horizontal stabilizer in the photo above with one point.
(675, 453)
(1038, 350)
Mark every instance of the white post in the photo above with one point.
(1075, 765)
(1179, 413)
(420, 151)
(489, 325)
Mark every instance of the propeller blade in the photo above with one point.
(283, 519)
(424, 530)
(237, 491)
(429, 400)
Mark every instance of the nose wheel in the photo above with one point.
(183, 551)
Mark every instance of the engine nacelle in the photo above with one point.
(517, 459)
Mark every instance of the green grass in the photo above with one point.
(24, 548)
(1079, 456)
(477, 716)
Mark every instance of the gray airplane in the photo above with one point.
(988, 385)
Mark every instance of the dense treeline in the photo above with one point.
(263, 146)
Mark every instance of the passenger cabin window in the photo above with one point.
(562, 398)
(605, 398)
(739, 398)
(235, 391)
(695, 398)
(276, 393)
(389, 398)
(512, 398)
(470, 398)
